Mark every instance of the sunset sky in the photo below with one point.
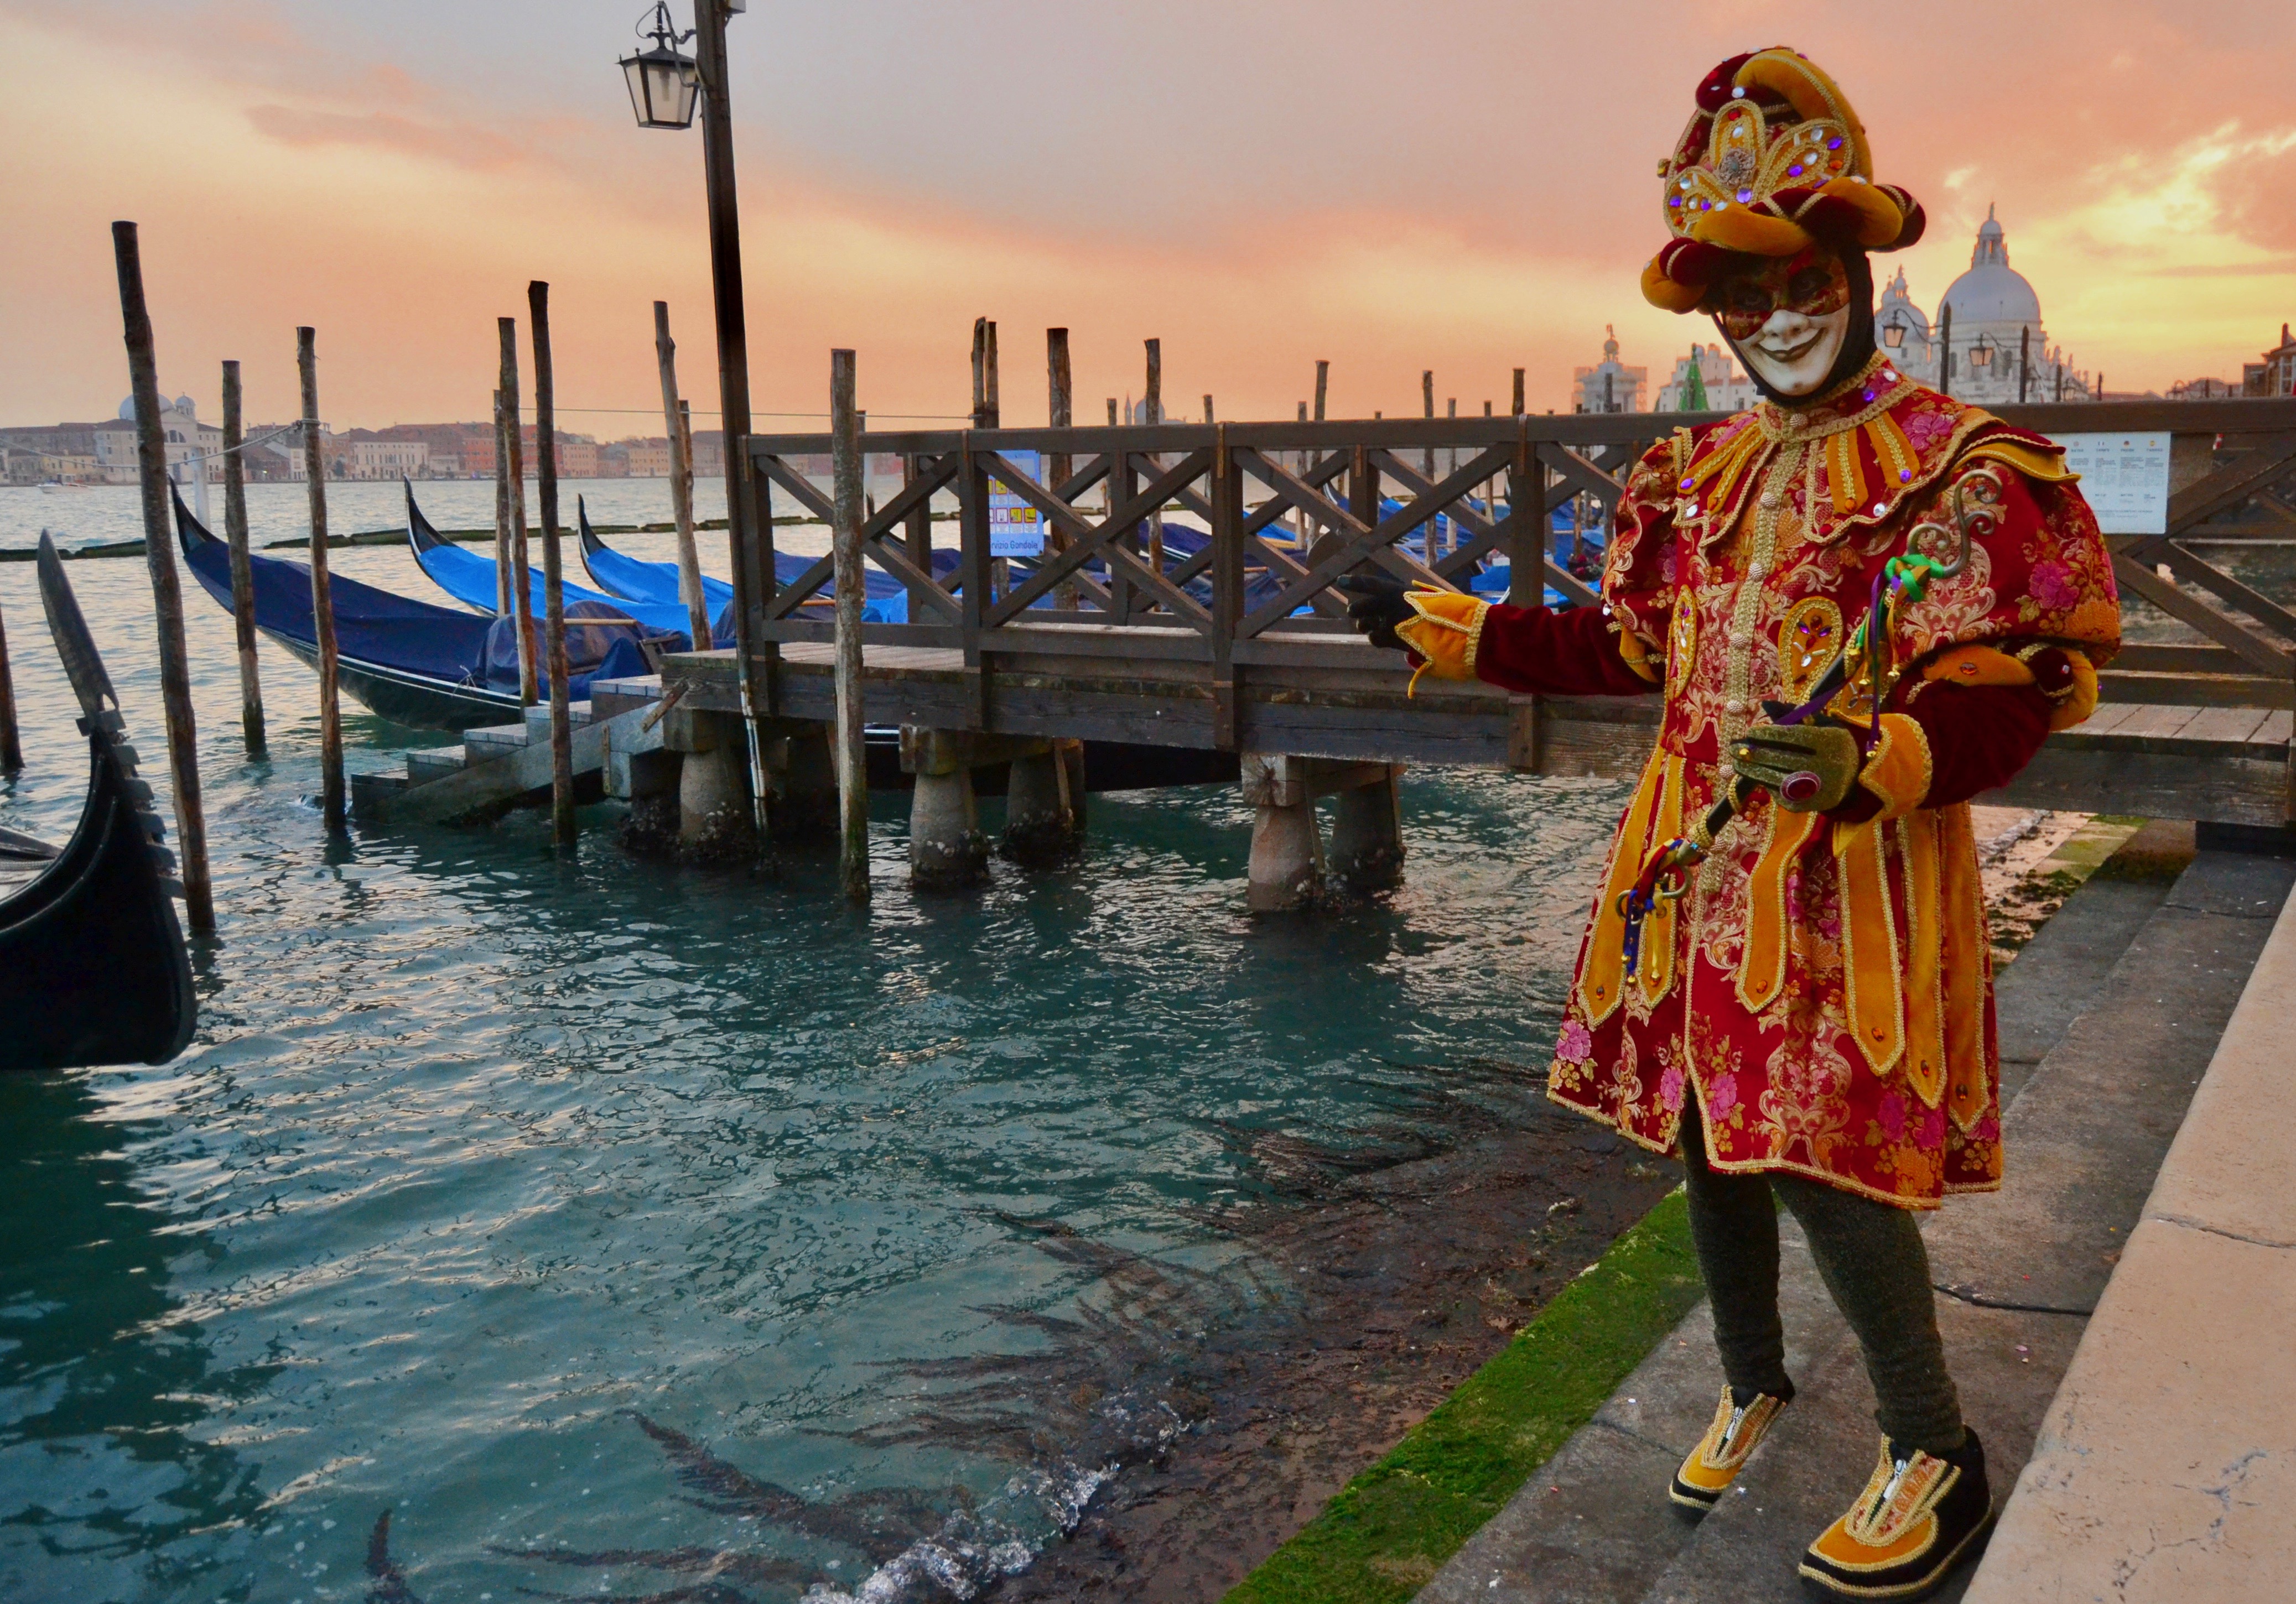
(1460, 184)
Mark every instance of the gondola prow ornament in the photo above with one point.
(1863, 603)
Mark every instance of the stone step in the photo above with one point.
(422, 767)
(485, 744)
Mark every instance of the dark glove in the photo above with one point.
(1808, 767)
(1378, 606)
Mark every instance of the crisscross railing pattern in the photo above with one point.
(1219, 543)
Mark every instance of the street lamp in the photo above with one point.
(1980, 355)
(1893, 333)
(664, 81)
(664, 87)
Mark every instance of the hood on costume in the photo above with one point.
(1774, 159)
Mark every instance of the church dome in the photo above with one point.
(1991, 291)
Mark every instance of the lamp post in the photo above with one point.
(665, 88)
(1893, 333)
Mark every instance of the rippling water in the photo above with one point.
(482, 1152)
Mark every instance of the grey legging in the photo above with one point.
(1873, 1262)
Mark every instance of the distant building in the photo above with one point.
(186, 437)
(1722, 387)
(367, 455)
(647, 459)
(614, 460)
(2001, 352)
(2275, 376)
(1608, 386)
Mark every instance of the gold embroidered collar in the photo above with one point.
(1873, 390)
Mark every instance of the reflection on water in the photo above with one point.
(618, 1226)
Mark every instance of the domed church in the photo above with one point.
(1999, 351)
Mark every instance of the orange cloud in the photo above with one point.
(457, 144)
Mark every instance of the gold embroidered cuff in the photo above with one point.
(1638, 655)
(1978, 666)
(2080, 702)
(1448, 629)
(1898, 769)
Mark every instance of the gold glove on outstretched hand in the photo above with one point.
(1806, 768)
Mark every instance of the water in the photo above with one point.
(483, 1154)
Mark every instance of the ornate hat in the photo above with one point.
(1774, 159)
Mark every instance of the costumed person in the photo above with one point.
(1864, 603)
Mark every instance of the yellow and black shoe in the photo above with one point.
(1737, 1430)
(1918, 1516)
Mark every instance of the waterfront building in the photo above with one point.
(2275, 376)
(1610, 386)
(2000, 353)
(647, 459)
(367, 455)
(1720, 385)
(186, 437)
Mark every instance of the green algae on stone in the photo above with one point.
(1383, 1537)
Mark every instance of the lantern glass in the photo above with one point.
(1980, 355)
(1893, 333)
(664, 87)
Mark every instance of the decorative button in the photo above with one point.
(1771, 498)
(1757, 570)
(1740, 638)
(1733, 706)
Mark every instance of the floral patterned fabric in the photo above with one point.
(1863, 1053)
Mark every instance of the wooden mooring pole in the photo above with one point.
(513, 457)
(1059, 414)
(1152, 406)
(242, 571)
(502, 608)
(852, 761)
(554, 589)
(166, 589)
(322, 602)
(681, 482)
(12, 751)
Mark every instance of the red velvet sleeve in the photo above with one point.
(1980, 737)
(1573, 652)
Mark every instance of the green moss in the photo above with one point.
(1380, 1539)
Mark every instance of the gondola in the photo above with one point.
(425, 667)
(884, 600)
(474, 581)
(92, 969)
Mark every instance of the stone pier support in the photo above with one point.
(946, 849)
(1368, 835)
(713, 819)
(805, 786)
(1043, 815)
(1287, 850)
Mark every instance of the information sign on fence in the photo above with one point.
(1016, 528)
(2126, 478)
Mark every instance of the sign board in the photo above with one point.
(1016, 528)
(2126, 478)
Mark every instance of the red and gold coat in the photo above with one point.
(1825, 988)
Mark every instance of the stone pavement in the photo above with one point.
(2109, 1019)
(2166, 1469)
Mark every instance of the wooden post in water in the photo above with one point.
(1207, 410)
(502, 515)
(1427, 401)
(681, 482)
(167, 588)
(1153, 402)
(12, 751)
(985, 410)
(852, 759)
(1516, 412)
(553, 587)
(708, 638)
(1060, 387)
(511, 453)
(242, 572)
(322, 602)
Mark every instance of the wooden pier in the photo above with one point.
(1244, 648)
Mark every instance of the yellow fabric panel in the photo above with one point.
(1666, 294)
(2077, 707)
(2034, 461)
(1762, 969)
(1601, 980)
(1637, 654)
(1979, 666)
(1449, 627)
(1966, 959)
(1743, 229)
(1898, 770)
(1655, 968)
(1842, 479)
(1869, 939)
(1925, 1061)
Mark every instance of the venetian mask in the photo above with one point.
(1787, 316)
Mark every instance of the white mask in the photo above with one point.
(1792, 352)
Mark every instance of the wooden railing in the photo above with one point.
(1291, 507)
